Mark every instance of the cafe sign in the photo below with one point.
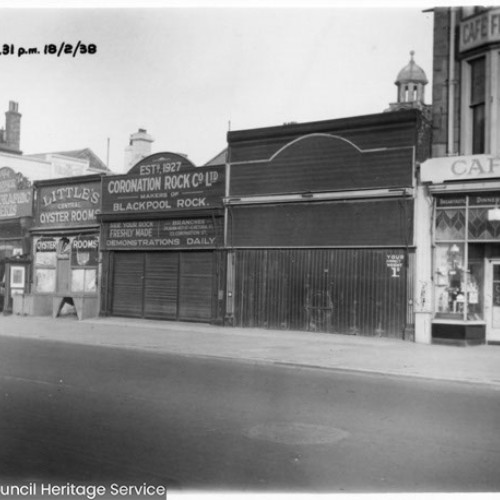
(68, 205)
(457, 168)
(186, 233)
(162, 183)
(480, 30)
(16, 195)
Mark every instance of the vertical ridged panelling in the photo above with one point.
(351, 291)
(410, 287)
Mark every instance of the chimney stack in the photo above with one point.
(13, 127)
(139, 147)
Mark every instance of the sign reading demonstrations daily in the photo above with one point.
(71, 204)
(161, 234)
(161, 183)
(15, 201)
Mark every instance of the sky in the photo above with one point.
(189, 74)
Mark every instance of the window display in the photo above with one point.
(66, 263)
(458, 287)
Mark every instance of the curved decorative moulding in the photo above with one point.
(322, 162)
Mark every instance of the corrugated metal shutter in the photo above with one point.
(128, 272)
(160, 285)
(164, 285)
(351, 291)
(196, 286)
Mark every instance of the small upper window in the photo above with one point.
(478, 104)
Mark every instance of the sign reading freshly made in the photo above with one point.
(161, 234)
(15, 195)
(480, 30)
(161, 183)
(72, 204)
(457, 168)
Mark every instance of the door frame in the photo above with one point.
(492, 333)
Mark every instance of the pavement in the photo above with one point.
(477, 364)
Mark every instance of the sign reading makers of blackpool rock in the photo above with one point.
(162, 183)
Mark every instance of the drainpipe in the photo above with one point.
(451, 84)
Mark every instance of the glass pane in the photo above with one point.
(449, 282)
(45, 280)
(90, 280)
(475, 280)
(450, 224)
(478, 81)
(478, 128)
(45, 259)
(480, 228)
(77, 280)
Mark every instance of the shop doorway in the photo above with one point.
(492, 309)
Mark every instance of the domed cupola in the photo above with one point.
(411, 82)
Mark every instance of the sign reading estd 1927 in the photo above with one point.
(161, 183)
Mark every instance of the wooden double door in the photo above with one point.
(164, 285)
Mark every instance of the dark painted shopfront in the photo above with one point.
(16, 210)
(320, 225)
(162, 240)
(66, 269)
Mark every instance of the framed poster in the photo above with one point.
(17, 275)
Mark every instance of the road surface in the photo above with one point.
(100, 415)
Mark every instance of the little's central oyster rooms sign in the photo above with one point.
(161, 183)
(71, 204)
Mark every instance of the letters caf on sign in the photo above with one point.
(454, 168)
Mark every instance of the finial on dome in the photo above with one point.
(412, 53)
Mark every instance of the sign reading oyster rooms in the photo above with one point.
(163, 182)
(74, 204)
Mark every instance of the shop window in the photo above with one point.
(84, 262)
(459, 283)
(45, 265)
(84, 280)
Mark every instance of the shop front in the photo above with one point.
(465, 194)
(320, 225)
(16, 210)
(162, 241)
(66, 264)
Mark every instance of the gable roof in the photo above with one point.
(95, 163)
(220, 159)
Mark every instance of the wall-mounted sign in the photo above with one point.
(15, 195)
(162, 183)
(68, 205)
(480, 30)
(161, 163)
(456, 168)
(395, 262)
(84, 251)
(162, 234)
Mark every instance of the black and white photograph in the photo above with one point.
(249, 249)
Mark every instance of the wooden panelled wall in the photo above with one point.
(349, 291)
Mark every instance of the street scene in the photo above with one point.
(128, 412)
(249, 250)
